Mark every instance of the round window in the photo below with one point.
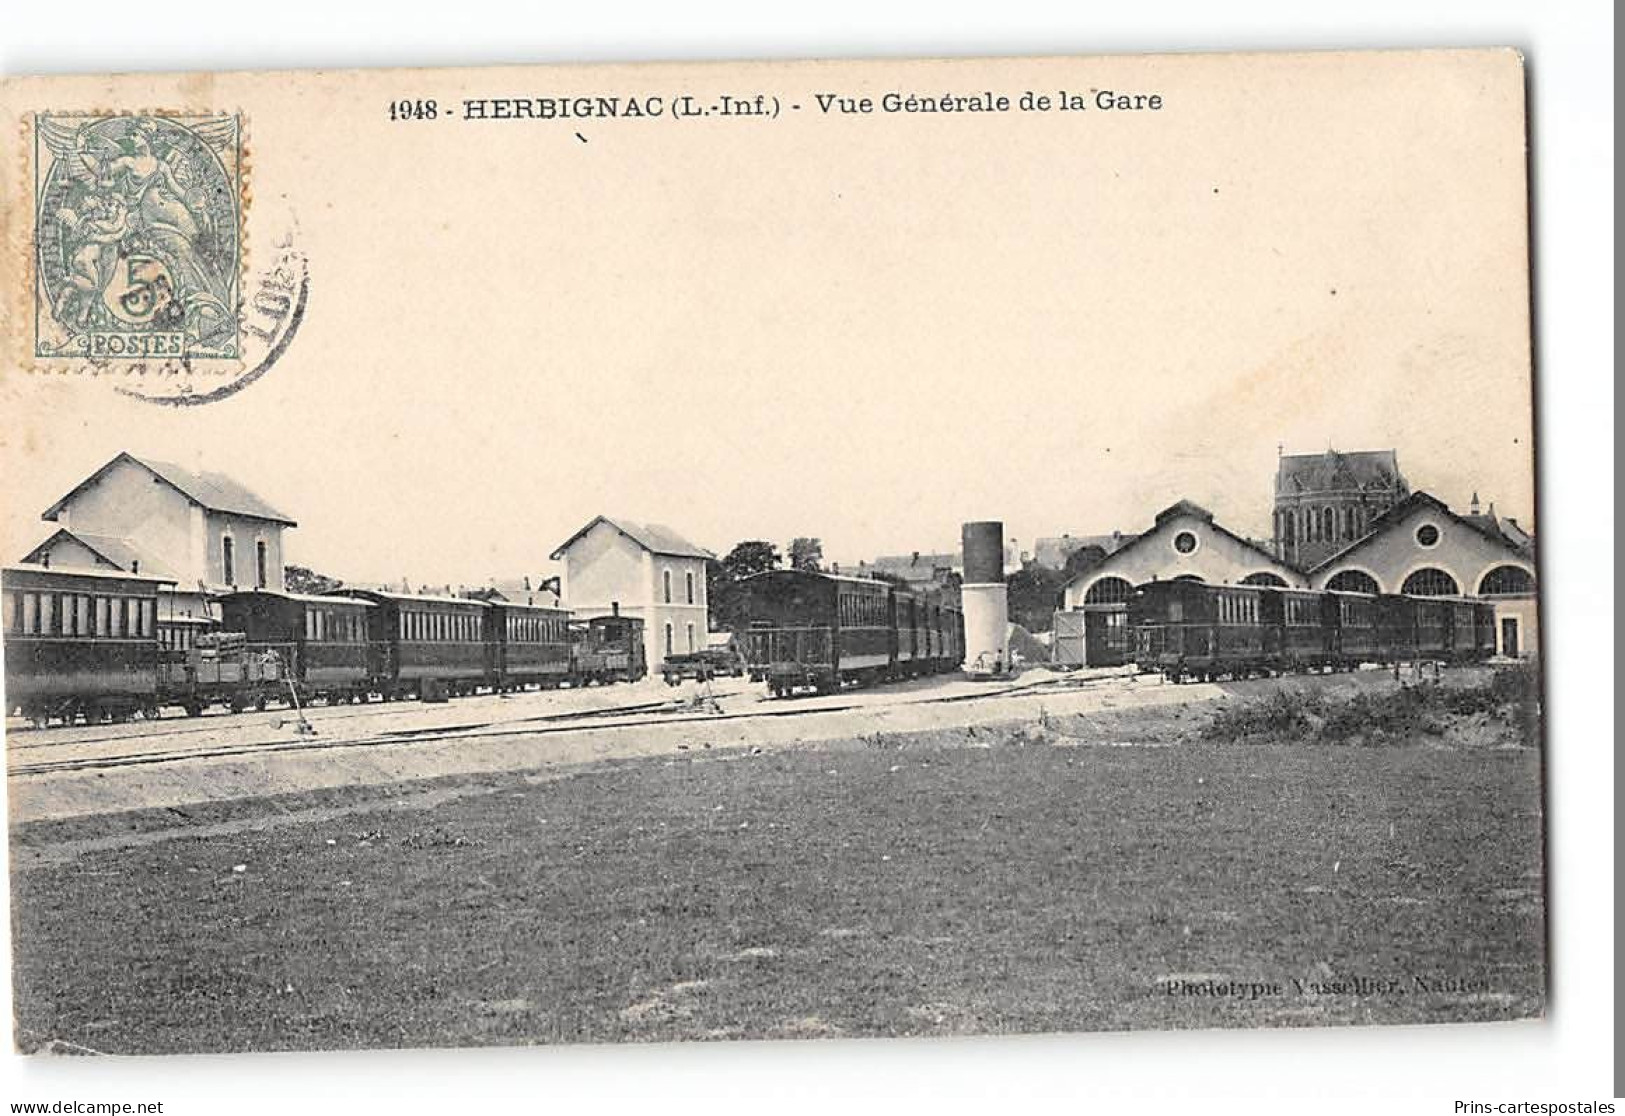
(1427, 535)
(1185, 542)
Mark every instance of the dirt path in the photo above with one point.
(335, 762)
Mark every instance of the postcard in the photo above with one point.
(639, 553)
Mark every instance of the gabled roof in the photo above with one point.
(535, 593)
(1497, 529)
(902, 563)
(656, 538)
(120, 553)
(1333, 471)
(1053, 551)
(214, 491)
(1184, 507)
(1403, 509)
(1174, 511)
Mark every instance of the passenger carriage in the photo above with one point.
(429, 646)
(1308, 622)
(820, 630)
(529, 645)
(1356, 638)
(80, 643)
(326, 641)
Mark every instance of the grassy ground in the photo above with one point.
(890, 886)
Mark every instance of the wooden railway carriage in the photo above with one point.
(1356, 634)
(1484, 628)
(1463, 622)
(80, 643)
(819, 630)
(1188, 628)
(528, 645)
(429, 646)
(325, 640)
(1309, 623)
(1192, 629)
(823, 630)
(905, 624)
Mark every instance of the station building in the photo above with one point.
(1184, 542)
(207, 531)
(1420, 547)
(644, 570)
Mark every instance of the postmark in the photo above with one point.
(139, 238)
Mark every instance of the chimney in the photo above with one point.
(614, 608)
(915, 559)
(1472, 508)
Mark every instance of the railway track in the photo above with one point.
(640, 715)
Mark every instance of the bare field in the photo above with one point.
(1114, 870)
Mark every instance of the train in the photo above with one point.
(1191, 630)
(90, 644)
(819, 631)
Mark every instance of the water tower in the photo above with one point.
(986, 605)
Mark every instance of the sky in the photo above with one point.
(868, 329)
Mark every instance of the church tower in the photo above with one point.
(1325, 501)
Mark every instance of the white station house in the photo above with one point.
(644, 570)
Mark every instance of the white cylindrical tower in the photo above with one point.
(984, 601)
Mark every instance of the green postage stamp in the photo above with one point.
(139, 237)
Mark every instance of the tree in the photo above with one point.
(722, 580)
(752, 557)
(1033, 594)
(806, 554)
(302, 579)
(1084, 558)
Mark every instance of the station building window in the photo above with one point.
(261, 563)
(1108, 590)
(1506, 581)
(1353, 581)
(228, 560)
(665, 581)
(1264, 578)
(1430, 582)
(688, 584)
